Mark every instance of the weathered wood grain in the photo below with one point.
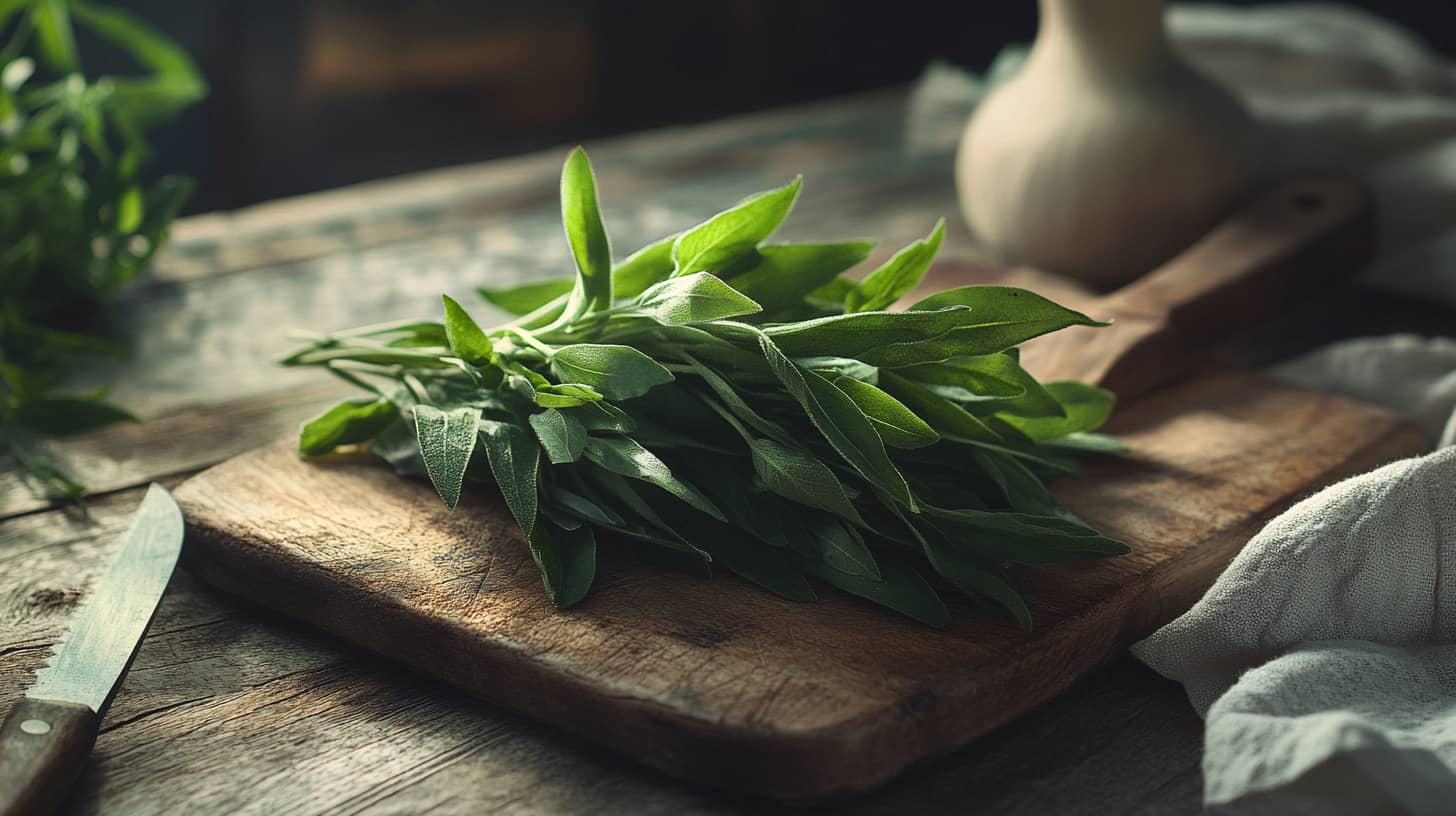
(731, 687)
(231, 709)
(203, 331)
(837, 143)
(724, 684)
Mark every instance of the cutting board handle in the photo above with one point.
(1304, 234)
(1298, 239)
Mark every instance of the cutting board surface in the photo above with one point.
(720, 682)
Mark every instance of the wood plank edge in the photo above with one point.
(816, 765)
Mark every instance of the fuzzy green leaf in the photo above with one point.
(567, 560)
(900, 274)
(586, 236)
(527, 297)
(1086, 407)
(726, 238)
(347, 423)
(447, 438)
(561, 434)
(648, 265)
(618, 372)
(899, 588)
(696, 298)
(466, 339)
(515, 461)
(897, 425)
(782, 275)
(841, 422)
(624, 456)
(971, 320)
(800, 477)
(839, 547)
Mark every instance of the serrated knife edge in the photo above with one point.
(107, 628)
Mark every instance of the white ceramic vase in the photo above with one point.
(1106, 153)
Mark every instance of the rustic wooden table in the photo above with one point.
(232, 709)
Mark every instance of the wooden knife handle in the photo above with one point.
(43, 747)
(1307, 233)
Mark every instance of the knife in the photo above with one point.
(48, 735)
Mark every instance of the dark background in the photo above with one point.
(313, 94)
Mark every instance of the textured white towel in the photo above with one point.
(1324, 658)
(1317, 659)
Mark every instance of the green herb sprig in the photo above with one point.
(727, 402)
(77, 219)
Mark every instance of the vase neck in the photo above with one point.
(1105, 35)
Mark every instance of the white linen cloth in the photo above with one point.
(1324, 658)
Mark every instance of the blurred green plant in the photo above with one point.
(77, 219)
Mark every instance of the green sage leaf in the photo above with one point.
(604, 416)
(586, 236)
(567, 560)
(900, 274)
(696, 298)
(839, 547)
(466, 339)
(897, 425)
(618, 372)
(784, 274)
(561, 434)
(624, 456)
(799, 476)
(447, 439)
(936, 411)
(528, 297)
(347, 423)
(721, 241)
(900, 588)
(989, 377)
(648, 265)
(841, 422)
(515, 462)
(1086, 408)
(978, 578)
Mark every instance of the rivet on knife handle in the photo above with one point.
(48, 734)
(43, 747)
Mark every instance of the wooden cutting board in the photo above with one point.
(722, 683)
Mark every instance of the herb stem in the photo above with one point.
(529, 339)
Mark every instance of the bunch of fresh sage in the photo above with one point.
(78, 218)
(728, 402)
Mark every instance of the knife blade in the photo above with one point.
(48, 735)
